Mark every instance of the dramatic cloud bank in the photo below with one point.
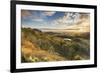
(56, 20)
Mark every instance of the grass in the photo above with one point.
(39, 46)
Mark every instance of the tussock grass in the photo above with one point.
(38, 46)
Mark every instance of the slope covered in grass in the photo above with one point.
(37, 46)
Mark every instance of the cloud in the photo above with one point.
(72, 20)
(84, 15)
(69, 18)
(31, 16)
(49, 13)
(83, 18)
(39, 16)
(38, 20)
(25, 13)
(83, 23)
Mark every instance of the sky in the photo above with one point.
(55, 20)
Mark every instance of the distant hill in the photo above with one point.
(38, 46)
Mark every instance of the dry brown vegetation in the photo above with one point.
(37, 46)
